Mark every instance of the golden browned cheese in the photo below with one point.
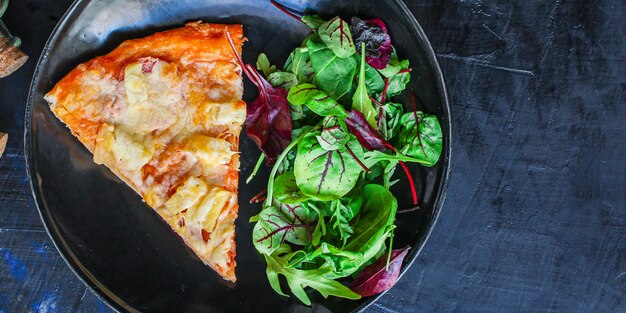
(164, 113)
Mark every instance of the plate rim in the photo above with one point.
(118, 304)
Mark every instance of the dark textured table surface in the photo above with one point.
(535, 217)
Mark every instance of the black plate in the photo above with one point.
(117, 245)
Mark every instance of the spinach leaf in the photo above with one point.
(397, 83)
(316, 100)
(394, 66)
(337, 36)
(398, 73)
(302, 66)
(361, 101)
(367, 240)
(313, 21)
(326, 175)
(298, 279)
(421, 137)
(263, 64)
(284, 80)
(333, 136)
(376, 220)
(373, 81)
(333, 74)
(274, 227)
(286, 191)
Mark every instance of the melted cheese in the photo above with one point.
(153, 98)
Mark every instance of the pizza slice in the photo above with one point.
(164, 113)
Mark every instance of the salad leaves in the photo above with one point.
(333, 74)
(326, 174)
(328, 123)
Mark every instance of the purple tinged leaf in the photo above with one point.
(377, 277)
(367, 136)
(373, 33)
(268, 119)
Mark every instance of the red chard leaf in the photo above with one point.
(367, 136)
(377, 277)
(268, 119)
(373, 33)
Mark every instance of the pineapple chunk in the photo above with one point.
(188, 196)
(210, 208)
(212, 153)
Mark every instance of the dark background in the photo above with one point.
(535, 216)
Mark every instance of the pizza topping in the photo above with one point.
(154, 99)
(187, 196)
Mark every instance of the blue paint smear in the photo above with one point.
(18, 268)
(102, 308)
(48, 304)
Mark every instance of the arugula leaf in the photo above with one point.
(326, 175)
(316, 100)
(263, 64)
(286, 191)
(337, 36)
(340, 218)
(313, 21)
(333, 74)
(273, 228)
(421, 137)
(298, 279)
(361, 101)
(282, 80)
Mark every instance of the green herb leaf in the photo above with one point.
(361, 101)
(373, 81)
(390, 124)
(397, 79)
(367, 240)
(333, 74)
(316, 100)
(326, 175)
(298, 279)
(302, 66)
(263, 64)
(274, 227)
(313, 21)
(422, 141)
(333, 136)
(340, 218)
(286, 191)
(337, 36)
(282, 80)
